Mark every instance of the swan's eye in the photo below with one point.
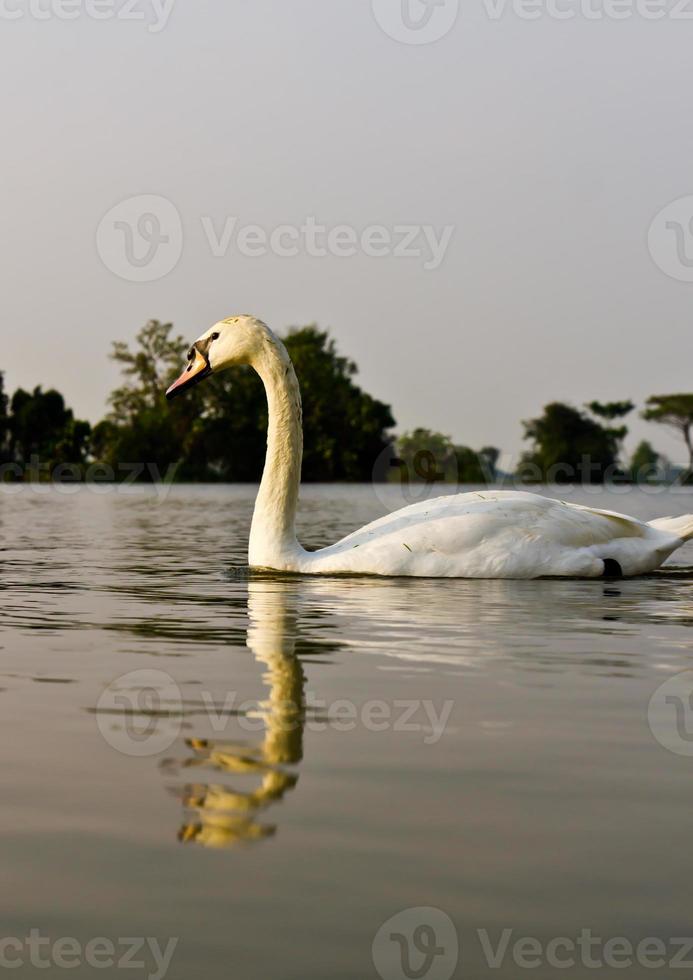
(215, 336)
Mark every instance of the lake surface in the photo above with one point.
(269, 769)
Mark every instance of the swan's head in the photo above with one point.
(236, 340)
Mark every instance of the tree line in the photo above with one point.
(217, 432)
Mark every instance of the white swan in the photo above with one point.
(492, 534)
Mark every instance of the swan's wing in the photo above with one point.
(494, 534)
(488, 513)
(583, 526)
(620, 525)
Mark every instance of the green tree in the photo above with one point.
(218, 430)
(424, 456)
(644, 464)
(43, 428)
(4, 422)
(610, 412)
(142, 429)
(431, 457)
(476, 467)
(675, 411)
(344, 428)
(228, 443)
(568, 446)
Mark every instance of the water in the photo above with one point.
(199, 801)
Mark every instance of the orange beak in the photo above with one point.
(197, 369)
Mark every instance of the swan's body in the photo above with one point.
(494, 534)
(490, 534)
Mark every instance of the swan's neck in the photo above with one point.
(273, 534)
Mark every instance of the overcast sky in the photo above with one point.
(545, 147)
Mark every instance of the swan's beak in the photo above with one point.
(197, 369)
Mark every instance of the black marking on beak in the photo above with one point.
(197, 370)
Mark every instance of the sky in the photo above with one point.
(493, 196)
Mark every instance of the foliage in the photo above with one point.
(226, 442)
(217, 431)
(476, 467)
(43, 430)
(142, 427)
(431, 457)
(424, 456)
(675, 411)
(644, 463)
(568, 446)
(610, 411)
(344, 427)
(4, 422)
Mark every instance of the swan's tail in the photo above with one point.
(682, 527)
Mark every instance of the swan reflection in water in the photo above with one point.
(221, 816)
(458, 627)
